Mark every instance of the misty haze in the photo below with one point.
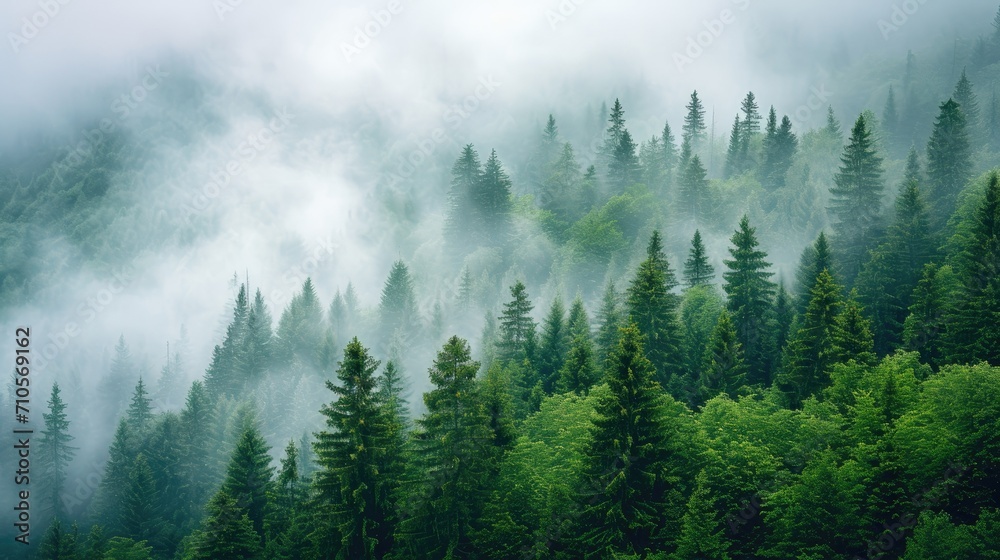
(531, 279)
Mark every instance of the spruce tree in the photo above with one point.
(451, 451)
(141, 515)
(579, 372)
(114, 484)
(553, 345)
(751, 116)
(55, 452)
(967, 102)
(724, 369)
(140, 412)
(734, 153)
(694, 123)
(653, 308)
(609, 320)
(460, 223)
(517, 329)
(351, 454)
(623, 169)
(196, 451)
(652, 161)
(249, 476)
(626, 496)
(697, 269)
(784, 315)
(832, 128)
(693, 199)
(780, 145)
(750, 291)
(668, 142)
(852, 336)
(95, 545)
(809, 354)
(815, 259)
(57, 543)
(974, 328)
(856, 199)
(925, 326)
(492, 202)
(702, 535)
(222, 377)
(255, 355)
(397, 307)
(949, 161)
(227, 532)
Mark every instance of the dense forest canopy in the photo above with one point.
(563, 333)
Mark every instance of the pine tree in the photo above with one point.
(140, 412)
(451, 443)
(966, 99)
(299, 336)
(751, 116)
(857, 199)
(832, 127)
(55, 452)
(652, 161)
(553, 345)
(560, 191)
(784, 314)
(286, 498)
(609, 319)
(351, 455)
(112, 491)
(948, 160)
(141, 519)
(668, 142)
(925, 326)
(810, 351)
(724, 369)
(58, 544)
(912, 172)
(653, 308)
(623, 169)
(248, 477)
(890, 119)
(748, 285)
(734, 153)
(697, 269)
(974, 329)
(95, 545)
(492, 203)
(460, 223)
(397, 308)
(579, 372)
(815, 259)
(702, 535)
(222, 377)
(780, 144)
(693, 200)
(255, 355)
(852, 336)
(195, 460)
(626, 499)
(694, 123)
(227, 533)
(517, 329)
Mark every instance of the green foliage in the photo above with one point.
(810, 352)
(55, 452)
(748, 285)
(697, 269)
(227, 532)
(948, 160)
(723, 369)
(249, 476)
(653, 308)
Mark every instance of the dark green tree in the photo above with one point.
(351, 454)
(141, 515)
(693, 200)
(227, 532)
(653, 308)
(58, 544)
(965, 96)
(815, 259)
(856, 200)
(780, 144)
(255, 355)
(925, 326)
(553, 345)
(974, 327)
(852, 336)
(299, 335)
(609, 319)
(724, 369)
(140, 412)
(517, 328)
(492, 203)
(623, 169)
(55, 452)
(810, 352)
(949, 161)
(750, 291)
(460, 222)
(397, 307)
(249, 476)
(697, 269)
(694, 122)
(222, 377)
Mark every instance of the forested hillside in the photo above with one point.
(778, 342)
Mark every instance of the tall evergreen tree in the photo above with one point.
(694, 123)
(58, 544)
(141, 515)
(694, 196)
(734, 153)
(460, 223)
(300, 333)
(815, 259)
(222, 377)
(227, 532)
(196, 456)
(553, 345)
(832, 127)
(948, 161)
(397, 307)
(852, 336)
(810, 353)
(623, 169)
(724, 369)
(974, 328)
(627, 499)
(857, 199)
(652, 161)
(748, 285)
(702, 535)
(751, 116)
(249, 476)
(697, 269)
(653, 308)
(55, 452)
(890, 119)
(351, 455)
(924, 329)
(255, 355)
(668, 142)
(609, 320)
(780, 144)
(965, 96)
(517, 329)
(112, 490)
(140, 412)
(492, 203)
(451, 448)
